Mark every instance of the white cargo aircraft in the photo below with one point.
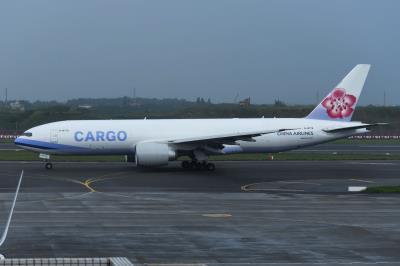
(153, 143)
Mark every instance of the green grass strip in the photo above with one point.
(31, 156)
(304, 157)
(367, 141)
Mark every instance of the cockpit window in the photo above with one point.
(27, 134)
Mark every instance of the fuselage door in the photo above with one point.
(54, 136)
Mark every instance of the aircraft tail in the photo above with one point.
(341, 102)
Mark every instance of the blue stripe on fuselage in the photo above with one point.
(46, 145)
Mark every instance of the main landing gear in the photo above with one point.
(203, 165)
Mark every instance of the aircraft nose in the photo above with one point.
(18, 140)
(22, 138)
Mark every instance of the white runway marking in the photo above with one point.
(371, 163)
(217, 215)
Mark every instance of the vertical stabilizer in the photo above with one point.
(341, 102)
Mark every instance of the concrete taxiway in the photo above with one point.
(275, 212)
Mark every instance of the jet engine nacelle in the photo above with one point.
(151, 154)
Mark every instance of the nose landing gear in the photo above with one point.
(48, 165)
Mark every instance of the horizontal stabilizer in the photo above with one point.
(340, 129)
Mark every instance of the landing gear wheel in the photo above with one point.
(48, 166)
(200, 165)
(210, 166)
(186, 165)
(194, 165)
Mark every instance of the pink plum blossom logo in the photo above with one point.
(339, 104)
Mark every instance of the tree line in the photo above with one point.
(37, 113)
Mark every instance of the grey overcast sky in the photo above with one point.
(281, 49)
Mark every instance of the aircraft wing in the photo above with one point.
(226, 138)
(341, 129)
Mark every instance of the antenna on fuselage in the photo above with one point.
(4, 235)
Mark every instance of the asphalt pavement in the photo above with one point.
(244, 213)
